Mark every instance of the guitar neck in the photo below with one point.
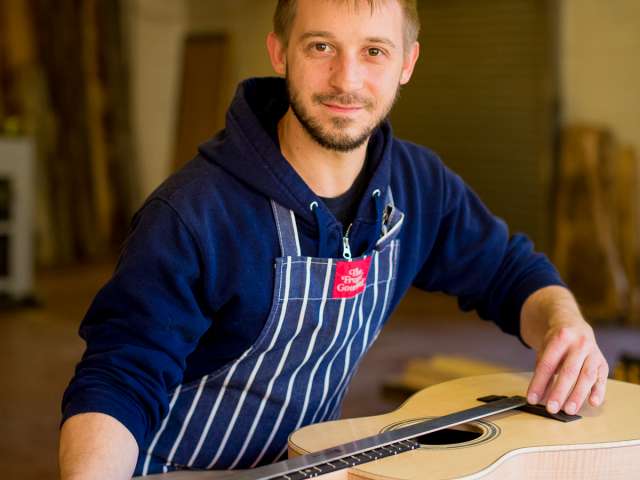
(367, 449)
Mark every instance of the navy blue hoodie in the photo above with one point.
(193, 285)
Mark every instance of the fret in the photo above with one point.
(371, 448)
(353, 460)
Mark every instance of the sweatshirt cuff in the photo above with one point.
(127, 413)
(521, 293)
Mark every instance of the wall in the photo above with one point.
(483, 97)
(600, 73)
(156, 29)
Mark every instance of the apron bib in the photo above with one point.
(325, 314)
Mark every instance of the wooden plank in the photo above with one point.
(123, 174)
(627, 207)
(96, 110)
(420, 373)
(3, 61)
(58, 28)
(585, 249)
(201, 111)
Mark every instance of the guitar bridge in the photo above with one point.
(539, 410)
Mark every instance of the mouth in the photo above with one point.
(342, 109)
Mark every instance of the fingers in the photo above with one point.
(546, 367)
(587, 380)
(569, 369)
(569, 375)
(599, 389)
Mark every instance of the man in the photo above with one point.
(255, 278)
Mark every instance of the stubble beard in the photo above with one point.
(336, 139)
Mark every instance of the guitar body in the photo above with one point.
(604, 444)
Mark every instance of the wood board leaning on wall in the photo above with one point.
(597, 224)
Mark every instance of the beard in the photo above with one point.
(336, 138)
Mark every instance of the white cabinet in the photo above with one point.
(17, 199)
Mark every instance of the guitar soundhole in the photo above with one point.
(450, 436)
(460, 436)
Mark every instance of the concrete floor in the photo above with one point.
(39, 348)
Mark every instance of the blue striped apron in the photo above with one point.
(297, 371)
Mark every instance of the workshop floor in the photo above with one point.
(39, 348)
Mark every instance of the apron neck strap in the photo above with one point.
(389, 197)
(287, 230)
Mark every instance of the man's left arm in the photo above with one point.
(551, 323)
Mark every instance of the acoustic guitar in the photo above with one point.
(471, 428)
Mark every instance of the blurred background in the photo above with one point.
(535, 103)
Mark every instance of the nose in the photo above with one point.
(347, 74)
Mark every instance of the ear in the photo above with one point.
(409, 63)
(277, 53)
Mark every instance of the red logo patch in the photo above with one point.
(351, 278)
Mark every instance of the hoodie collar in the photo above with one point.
(253, 154)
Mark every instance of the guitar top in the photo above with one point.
(603, 443)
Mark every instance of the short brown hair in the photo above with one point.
(286, 12)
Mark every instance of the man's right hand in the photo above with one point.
(96, 446)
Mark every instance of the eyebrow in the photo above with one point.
(384, 40)
(325, 34)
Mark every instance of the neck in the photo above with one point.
(328, 173)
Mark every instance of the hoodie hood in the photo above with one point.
(250, 153)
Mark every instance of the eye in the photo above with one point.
(374, 52)
(321, 47)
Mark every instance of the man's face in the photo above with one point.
(344, 65)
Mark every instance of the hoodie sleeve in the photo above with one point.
(475, 259)
(142, 325)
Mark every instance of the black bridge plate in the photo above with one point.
(539, 410)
